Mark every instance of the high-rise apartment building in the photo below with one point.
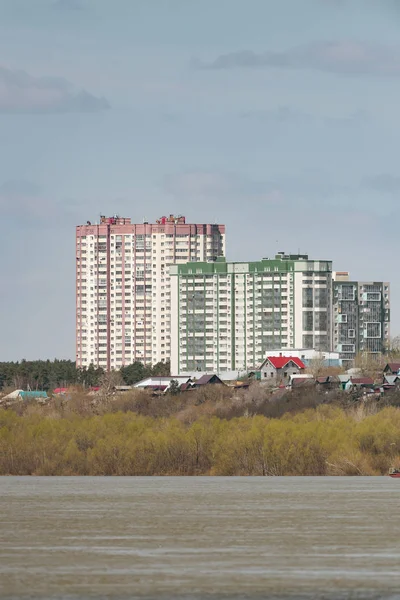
(123, 285)
(227, 315)
(361, 317)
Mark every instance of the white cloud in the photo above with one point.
(23, 93)
(343, 56)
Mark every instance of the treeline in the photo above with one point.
(327, 440)
(48, 375)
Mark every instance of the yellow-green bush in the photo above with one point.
(322, 441)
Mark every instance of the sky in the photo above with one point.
(278, 118)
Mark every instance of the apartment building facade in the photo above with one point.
(361, 317)
(123, 303)
(227, 315)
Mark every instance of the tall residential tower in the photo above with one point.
(123, 305)
(361, 317)
(227, 315)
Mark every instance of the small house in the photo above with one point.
(281, 368)
(207, 380)
(161, 384)
(359, 383)
(391, 383)
(328, 382)
(300, 381)
(392, 369)
(40, 396)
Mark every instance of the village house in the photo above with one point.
(281, 368)
(160, 384)
(392, 369)
(211, 379)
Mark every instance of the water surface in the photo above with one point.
(216, 537)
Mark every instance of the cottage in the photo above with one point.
(358, 383)
(162, 384)
(300, 381)
(207, 380)
(328, 382)
(281, 367)
(392, 369)
(38, 395)
(391, 383)
(60, 391)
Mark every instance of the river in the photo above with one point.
(206, 537)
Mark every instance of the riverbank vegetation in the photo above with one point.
(203, 432)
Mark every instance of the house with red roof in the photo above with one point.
(392, 368)
(281, 368)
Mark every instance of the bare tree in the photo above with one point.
(108, 382)
(392, 350)
(317, 366)
(369, 365)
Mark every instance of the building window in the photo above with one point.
(307, 298)
(308, 320)
(321, 321)
(321, 298)
(308, 341)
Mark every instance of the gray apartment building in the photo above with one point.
(361, 317)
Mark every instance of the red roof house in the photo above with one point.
(281, 367)
(392, 368)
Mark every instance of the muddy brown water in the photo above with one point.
(206, 537)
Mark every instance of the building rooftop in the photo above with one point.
(118, 220)
(279, 362)
(281, 263)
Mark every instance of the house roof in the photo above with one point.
(206, 379)
(185, 386)
(328, 379)
(33, 394)
(394, 366)
(161, 380)
(279, 362)
(362, 380)
(299, 381)
(156, 388)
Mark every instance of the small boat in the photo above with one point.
(394, 472)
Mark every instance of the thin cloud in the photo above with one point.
(279, 114)
(341, 57)
(384, 182)
(68, 5)
(23, 93)
(26, 202)
(286, 115)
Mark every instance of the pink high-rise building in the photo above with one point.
(123, 290)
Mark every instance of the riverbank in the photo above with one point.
(327, 440)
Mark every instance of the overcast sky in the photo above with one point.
(279, 118)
